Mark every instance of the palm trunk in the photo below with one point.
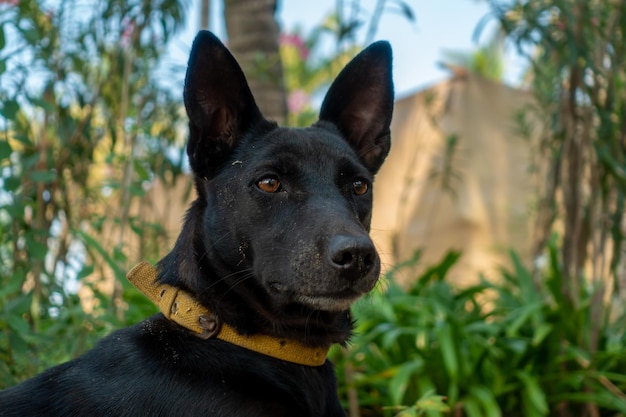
(253, 40)
(205, 6)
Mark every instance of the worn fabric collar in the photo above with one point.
(180, 307)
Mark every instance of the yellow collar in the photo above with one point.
(180, 307)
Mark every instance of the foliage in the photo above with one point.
(79, 100)
(310, 61)
(307, 71)
(486, 61)
(492, 349)
(578, 57)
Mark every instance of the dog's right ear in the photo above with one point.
(360, 104)
(219, 104)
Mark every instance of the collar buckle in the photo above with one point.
(210, 325)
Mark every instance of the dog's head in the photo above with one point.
(286, 212)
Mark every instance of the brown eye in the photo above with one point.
(269, 185)
(360, 187)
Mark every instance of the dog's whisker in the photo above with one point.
(226, 278)
(208, 248)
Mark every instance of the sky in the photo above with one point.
(418, 46)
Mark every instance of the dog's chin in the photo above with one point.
(327, 302)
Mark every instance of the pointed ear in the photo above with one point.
(360, 103)
(219, 104)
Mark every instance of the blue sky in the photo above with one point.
(418, 47)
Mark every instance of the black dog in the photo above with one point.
(272, 253)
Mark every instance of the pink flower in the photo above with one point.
(127, 33)
(10, 2)
(297, 100)
(296, 41)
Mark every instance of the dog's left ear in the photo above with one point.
(219, 104)
(360, 103)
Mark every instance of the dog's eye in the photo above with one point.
(269, 185)
(360, 187)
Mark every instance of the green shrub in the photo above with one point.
(512, 348)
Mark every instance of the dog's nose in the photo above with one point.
(354, 256)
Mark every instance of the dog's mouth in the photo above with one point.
(328, 302)
(331, 300)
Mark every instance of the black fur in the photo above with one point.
(286, 262)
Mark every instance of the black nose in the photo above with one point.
(354, 256)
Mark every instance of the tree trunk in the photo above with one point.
(253, 40)
(205, 6)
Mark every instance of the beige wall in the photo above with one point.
(486, 207)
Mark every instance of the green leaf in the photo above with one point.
(137, 191)
(391, 336)
(10, 108)
(471, 407)
(2, 39)
(11, 183)
(43, 176)
(400, 381)
(541, 332)
(432, 402)
(141, 171)
(85, 272)
(40, 102)
(525, 281)
(488, 401)
(407, 11)
(95, 245)
(18, 324)
(534, 397)
(30, 34)
(448, 351)
(12, 286)
(119, 255)
(29, 161)
(23, 139)
(439, 271)
(5, 150)
(36, 249)
(554, 281)
(18, 344)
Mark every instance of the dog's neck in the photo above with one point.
(181, 308)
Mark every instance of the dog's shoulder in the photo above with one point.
(155, 366)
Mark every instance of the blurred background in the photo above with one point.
(499, 214)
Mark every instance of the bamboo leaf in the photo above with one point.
(439, 271)
(534, 397)
(399, 383)
(448, 351)
(471, 407)
(432, 402)
(486, 398)
(541, 332)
